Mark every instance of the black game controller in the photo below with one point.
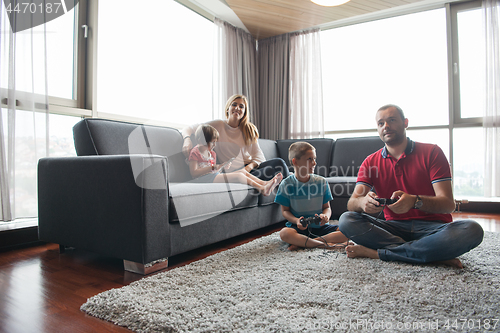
(385, 202)
(310, 220)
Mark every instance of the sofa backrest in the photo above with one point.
(108, 137)
(324, 150)
(349, 153)
(269, 148)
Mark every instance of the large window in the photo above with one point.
(468, 100)
(406, 60)
(156, 66)
(61, 41)
(60, 145)
(398, 60)
(45, 59)
(468, 61)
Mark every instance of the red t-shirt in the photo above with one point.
(420, 166)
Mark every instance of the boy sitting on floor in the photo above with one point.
(305, 194)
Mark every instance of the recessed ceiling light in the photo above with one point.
(330, 3)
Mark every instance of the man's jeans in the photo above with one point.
(412, 241)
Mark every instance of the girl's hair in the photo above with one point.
(299, 149)
(250, 132)
(206, 133)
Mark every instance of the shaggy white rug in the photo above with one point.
(262, 287)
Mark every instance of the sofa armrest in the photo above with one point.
(95, 203)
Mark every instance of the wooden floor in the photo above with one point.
(42, 290)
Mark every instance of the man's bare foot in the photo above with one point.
(336, 246)
(452, 262)
(360, 251)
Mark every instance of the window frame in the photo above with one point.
(454, 65)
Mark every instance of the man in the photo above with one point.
(418, 227)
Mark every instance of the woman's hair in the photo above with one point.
(206, 133)
(250, 132)
(299, 149)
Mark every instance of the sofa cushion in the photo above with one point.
(195, 202)
(349, 153)
(324, 150)
(108, 137)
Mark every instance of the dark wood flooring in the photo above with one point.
(42, 290)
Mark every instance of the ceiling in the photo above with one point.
(267, 18)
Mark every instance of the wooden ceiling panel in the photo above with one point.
(267, 18)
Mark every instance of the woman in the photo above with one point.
(238, 139)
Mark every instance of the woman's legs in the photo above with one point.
(244, 177)
(268, 169)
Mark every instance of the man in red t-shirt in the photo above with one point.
(418, 227)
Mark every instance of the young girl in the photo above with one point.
(203, 167)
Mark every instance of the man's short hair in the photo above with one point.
(385, 107)
(206, 133)
(299, 149)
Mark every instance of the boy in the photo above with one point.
(305, 194)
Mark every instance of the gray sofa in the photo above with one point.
(128, 194)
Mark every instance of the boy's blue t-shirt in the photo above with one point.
(304, 199)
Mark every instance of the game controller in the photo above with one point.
(310, 220)
(385, 202)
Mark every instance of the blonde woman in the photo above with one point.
(238, 140)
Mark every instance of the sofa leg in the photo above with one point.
(143, 269)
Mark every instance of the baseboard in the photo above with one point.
(481, 207)
(16, 238)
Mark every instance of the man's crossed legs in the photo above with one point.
(410, 241)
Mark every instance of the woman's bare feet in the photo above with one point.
(354, 251)
(271, 185)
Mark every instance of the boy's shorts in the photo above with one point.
(321, 231)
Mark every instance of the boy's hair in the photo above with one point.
(299, 149)
(206, 133)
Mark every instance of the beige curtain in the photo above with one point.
(306, 99)
(24, 119)
(491, 120)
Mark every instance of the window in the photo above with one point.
(60, 145)
(397, 60)
(64, 46)
(156, 67)
(61, 64)
(65, 49)
(468, 163)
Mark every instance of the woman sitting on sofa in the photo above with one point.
(238, 139)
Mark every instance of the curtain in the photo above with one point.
(235, 68)
(306, 104)
(24, 116)
(274, 75)
(491, 120)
